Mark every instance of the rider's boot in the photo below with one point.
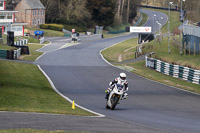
(107, 93)
(125, 96)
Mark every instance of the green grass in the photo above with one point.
(4, 41)
(117, 28)
(33, 53)
(50, 33)
(124, 49)
(34, 131)
(144, 19)
(76, 27)
(161, 52)
(23, 88)
(140, 69)
(112, 54)
(6, 47)
(32, 40)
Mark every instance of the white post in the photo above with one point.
(169, 50)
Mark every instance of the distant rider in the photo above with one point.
(119, 80)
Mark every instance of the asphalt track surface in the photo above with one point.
(80, 73)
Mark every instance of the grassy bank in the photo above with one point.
(6, 47)
(50, 33)
(34, 131)
(24, 88)
(121, 52)
(144, 19)
(140, 69)
(161, 52)
(33, 53)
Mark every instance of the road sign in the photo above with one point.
(136, 29)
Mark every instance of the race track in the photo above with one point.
(80, 73)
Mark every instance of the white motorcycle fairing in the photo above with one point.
(114, 96)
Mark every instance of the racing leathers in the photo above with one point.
(118, 81)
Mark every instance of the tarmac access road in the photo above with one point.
(80, 73)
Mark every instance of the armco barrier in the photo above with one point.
(185, 73)
(162, 8)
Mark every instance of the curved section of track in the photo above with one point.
(79, 73)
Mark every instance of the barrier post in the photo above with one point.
(184, 48)
(189, 48)
(194, 48)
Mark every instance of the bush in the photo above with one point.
(117, 28)
(57, 27)
(77, 28)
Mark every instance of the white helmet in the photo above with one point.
(122, 76)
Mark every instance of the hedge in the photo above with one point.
(57, 27)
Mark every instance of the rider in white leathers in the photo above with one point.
(119, 80)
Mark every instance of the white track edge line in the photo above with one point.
(66, 98)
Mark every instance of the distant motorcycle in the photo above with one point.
(115, 96)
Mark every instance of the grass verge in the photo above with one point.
(161, 52)
(50, 33)
(121, 52)
(140, 69)
(34, 131)
(33, 53)
(144, 19)
(6, 47)
(24, 88)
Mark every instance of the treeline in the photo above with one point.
(191, 6)
(91, 12)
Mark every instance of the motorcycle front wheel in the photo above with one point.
(114, 101)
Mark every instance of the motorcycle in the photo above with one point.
(115, 96)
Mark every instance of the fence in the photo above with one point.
(21, 42)
(191, 39)
(3, 54)
(185, 73)
(162, 8)
(17, 53)
(10, 54)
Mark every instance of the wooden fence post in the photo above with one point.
(199, 48)
(184, 46)
(189, 47)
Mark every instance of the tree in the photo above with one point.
(102, 11)
(51, 10)
(77, 13)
